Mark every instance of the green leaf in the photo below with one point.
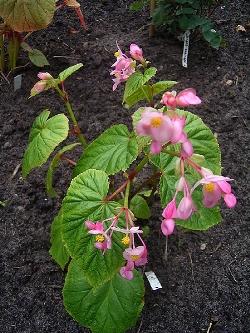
(85, 200)
(53, 165)
(113, 151)
(213, 38)
(58, 251)
(139, 207)
(162, 86)
(38, 58)
(113, 307)
(134, 84)
(204, 143)
(46, 134)
(68, 72)
(27, 15)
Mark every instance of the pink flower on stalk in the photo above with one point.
(156, 125)
(185, 98)
(184, 210)
(123, 68)
(138, 255)
(103, 241)
(136, 52)
(127, 271)
(215, 187)
(187, 149)
(41, 85)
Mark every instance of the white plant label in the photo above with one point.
(186, 38)
(153, 280)
(17, 82)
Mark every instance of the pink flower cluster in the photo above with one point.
(125, 66)
(135, 256)
(185, 98)
(163, 130)
(214, 188)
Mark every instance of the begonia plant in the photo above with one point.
(20, 19)
(97, 236)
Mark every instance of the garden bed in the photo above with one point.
(206, 278)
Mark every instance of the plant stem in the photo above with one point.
(13, 49)
(165, 257)
(70, 111)
(2, 53)
(127, 194)
(152, 26)
(131, 176)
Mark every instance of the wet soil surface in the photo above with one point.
(207, 276)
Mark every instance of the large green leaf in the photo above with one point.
(113, 151)
(133, 87)
(84, 200)
(58, 250)
(53, 165)
(46, 134)
(204, 143)
(27, 15)
(113, 307)
(139, 207)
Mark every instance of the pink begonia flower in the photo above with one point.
(156, 125)
(215, 187)
(167, 227)
(123, 68)
(138, 255)
(184, 210)
(103, 241)
(170, 210)
(127, 271)
(136, 52)
(44, 76)
(185, 98)
(41, 85)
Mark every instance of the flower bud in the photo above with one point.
(136, 52)
(167, 227)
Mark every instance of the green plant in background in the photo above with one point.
(20, 17)
(182, 15)
(96, 230)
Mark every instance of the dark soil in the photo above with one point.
(199, 286)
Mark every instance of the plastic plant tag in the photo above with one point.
(153, 280)
(185, 49)
(17, 82)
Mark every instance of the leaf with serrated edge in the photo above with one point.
(113, 151)
(27, 15)
(113, 307)
(46, 134)
(57, 250)
(85, 200)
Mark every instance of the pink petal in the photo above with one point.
(230, 200)
(185, 208)
(210, 199)
(224, 186)
(155, 147)
(126, 274)
(169, 210)
(167, 227)
(187, 149)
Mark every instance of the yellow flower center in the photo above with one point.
(100, 238)
(135, 257)
(126, 240)
(209, 187)
(117, 54)
(156, 122)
